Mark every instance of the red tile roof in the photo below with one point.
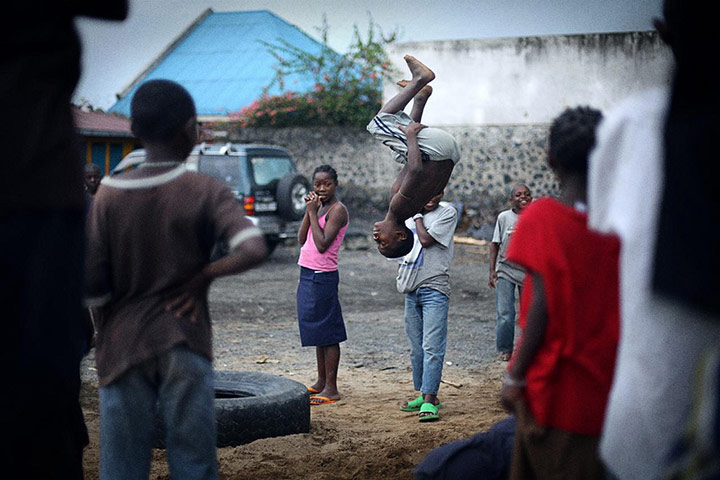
(101, 124)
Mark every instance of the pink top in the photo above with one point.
(327, 261)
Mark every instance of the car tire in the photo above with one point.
(290, 194)
(253, 405)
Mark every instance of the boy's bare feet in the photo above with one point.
(422, 95)
(419, 71)
(504, 357)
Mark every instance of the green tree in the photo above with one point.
(347, 90)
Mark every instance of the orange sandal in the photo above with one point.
(319, 400)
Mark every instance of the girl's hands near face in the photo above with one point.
(312, 202)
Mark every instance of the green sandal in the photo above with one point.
(413, 405)
(430, 411)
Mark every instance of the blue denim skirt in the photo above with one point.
(319, 313)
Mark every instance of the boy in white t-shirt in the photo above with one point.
(505, 276)
(424, 278)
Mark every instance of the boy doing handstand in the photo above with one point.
(428, 156)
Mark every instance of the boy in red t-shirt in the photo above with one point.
(560, 375)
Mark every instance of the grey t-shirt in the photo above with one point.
(429, 267)
(504, 228)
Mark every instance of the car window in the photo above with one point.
(269, 169)
(226, 168)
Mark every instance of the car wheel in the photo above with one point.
(290, 193)
(253, 405)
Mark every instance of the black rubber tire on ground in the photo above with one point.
(253, 405)
(290, 194)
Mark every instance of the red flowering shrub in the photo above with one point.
(347, 90)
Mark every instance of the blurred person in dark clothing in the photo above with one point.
(41, 237)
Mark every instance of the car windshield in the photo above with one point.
(227, 169)
(269, 169)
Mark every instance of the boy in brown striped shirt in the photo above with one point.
(151, 232)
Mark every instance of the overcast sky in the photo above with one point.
(116, 52)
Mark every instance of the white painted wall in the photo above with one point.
(530, 80)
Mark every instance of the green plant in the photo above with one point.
(347, 87)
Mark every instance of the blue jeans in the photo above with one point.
(426, 312)
(181, 383)
(505, 333)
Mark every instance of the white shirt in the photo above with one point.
(660, 341)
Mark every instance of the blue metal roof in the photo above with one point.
(221, 61)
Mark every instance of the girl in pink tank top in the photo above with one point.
(319, 313)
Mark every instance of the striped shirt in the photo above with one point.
(149, 232)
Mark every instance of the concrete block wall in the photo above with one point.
(529, 80)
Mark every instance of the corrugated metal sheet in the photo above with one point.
(222, 62)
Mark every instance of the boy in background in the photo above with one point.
(93, 176)
(505, 276)
(150, 236)
(558, 381)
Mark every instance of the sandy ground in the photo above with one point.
(364, 435)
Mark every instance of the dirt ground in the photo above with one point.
(364, 435)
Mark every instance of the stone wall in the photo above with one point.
(494, 159)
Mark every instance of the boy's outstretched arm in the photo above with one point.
(493, 254)
(245, 256)
(532, 339)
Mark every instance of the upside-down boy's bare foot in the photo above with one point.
(422, 95)
(419, 71)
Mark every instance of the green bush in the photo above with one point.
(347, 91)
